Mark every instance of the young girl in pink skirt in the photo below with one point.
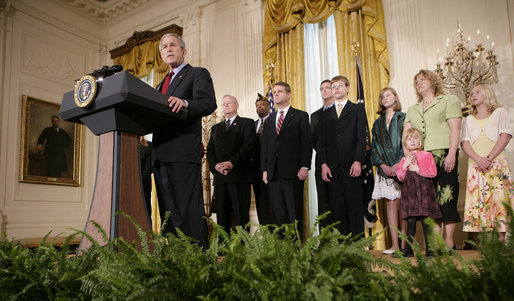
(418, 199)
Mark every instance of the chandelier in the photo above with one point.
(465, 65)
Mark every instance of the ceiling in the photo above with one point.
(106, 10)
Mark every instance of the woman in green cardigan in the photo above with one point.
(439, 119)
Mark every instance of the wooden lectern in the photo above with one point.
(124, 109)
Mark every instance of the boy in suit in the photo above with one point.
(342, 149)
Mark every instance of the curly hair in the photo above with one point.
(490, 98)
(435, 80)
(397, 104)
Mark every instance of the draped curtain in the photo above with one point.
(360, 21)
(356, 21)
(142, 59)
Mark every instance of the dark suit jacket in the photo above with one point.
(56, 145)
(235, 145)
(181, 140)
(315, 117)
(291, 149)
(343, 139)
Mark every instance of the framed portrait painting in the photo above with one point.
(51, 148)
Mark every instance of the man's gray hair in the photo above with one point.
(181, 41)
(230, 96)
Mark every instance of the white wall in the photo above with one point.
(43, 53)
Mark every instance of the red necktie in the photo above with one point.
(280, 120)
(166, 83)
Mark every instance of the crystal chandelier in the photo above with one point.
(465, 65)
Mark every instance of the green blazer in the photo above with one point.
(432, 122)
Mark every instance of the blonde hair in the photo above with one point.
(435, 80)
(412, 132)
(490, 98)
(397, 104)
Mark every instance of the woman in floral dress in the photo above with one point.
(485, 134)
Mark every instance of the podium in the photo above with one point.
(124, 109)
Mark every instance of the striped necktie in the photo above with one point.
(280, 120)
(261, 127)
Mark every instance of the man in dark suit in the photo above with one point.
(56, 141)
(286, 157)
(321, 186)
(342, 148)
(260, 189)
(229, 154)
(177, 146)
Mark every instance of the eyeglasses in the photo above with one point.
(335, 86)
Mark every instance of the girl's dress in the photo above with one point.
(418, 194)
(386, 148)
(486, 191)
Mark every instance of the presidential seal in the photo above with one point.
(85, 91)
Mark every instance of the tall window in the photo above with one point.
(320, 63)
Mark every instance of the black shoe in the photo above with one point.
(407, 252)
(429, 254)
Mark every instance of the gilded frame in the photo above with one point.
(47, 155)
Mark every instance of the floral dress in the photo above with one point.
(487, 191)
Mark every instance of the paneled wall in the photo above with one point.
(45, 48)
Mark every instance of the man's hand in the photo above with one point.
(326, 174)
(303, 174)
(176, 104)
(355, 169)
(39, 148)
(220, 167)
(143, 141)
(265, 177)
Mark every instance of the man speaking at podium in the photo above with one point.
(177, 146)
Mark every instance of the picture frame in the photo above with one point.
(51, 148)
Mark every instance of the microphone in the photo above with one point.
(106, 71)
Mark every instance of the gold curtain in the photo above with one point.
(142, 59)
(357, 21)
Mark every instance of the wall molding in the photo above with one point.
(58, 23)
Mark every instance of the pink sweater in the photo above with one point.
(426, 166)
